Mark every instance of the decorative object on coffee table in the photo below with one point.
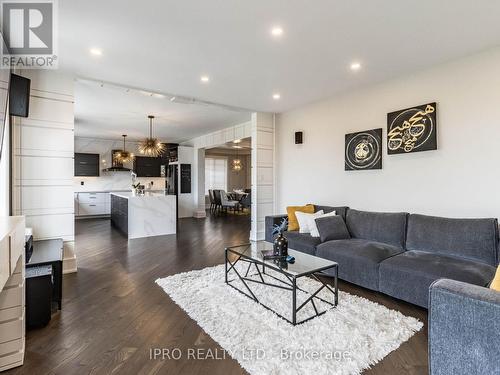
(412, 129)
(363, 150)
(280, 244)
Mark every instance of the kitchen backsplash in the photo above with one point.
(108, 181)
(114, 181)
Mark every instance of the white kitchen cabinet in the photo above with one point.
(90, 209)
(92, 204)
(94, 198)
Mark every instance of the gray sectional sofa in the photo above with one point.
(464, 329)
(402, 254)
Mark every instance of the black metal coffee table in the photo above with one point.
(305, 265)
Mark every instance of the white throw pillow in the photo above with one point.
(314, 228)
(305, 220)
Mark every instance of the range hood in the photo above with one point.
(117, 166)
(116, 169)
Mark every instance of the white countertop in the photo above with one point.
(147, 194)
(101, 191)
(112, 191)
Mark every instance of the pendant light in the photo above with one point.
(151, 146)
(237, 163)
(124, 156)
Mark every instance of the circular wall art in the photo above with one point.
(363, 150)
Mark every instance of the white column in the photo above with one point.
(199, 183)
(43, 161)
(262, 130)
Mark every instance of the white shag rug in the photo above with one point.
(345, 340)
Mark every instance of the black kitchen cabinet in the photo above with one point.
(119, 213)
(147, 166)
(86, 164)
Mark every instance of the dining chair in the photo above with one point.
(227, 203)
(211, 199)
(217, 200)
(246, 201)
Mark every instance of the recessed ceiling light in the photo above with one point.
(96, 52)
(237, 141)
(276, 31)
(204, 79)
(276, 96)
(355, 66)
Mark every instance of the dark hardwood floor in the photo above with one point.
(113, 313)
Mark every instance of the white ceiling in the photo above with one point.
(244, 146)
(108, 112)
(165, 45)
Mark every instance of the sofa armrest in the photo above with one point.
(270, 222)
(464, 328)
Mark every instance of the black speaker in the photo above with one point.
(19, 96)
(298, 138)
(38, 296)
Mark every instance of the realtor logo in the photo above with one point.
(29, 30)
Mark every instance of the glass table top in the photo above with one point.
(304, 263)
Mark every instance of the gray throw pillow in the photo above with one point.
(332, 228)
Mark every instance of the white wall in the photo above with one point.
(108, 181)
(43, 161)
(461, 178)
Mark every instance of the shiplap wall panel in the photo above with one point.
(43, 164)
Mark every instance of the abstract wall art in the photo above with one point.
(363, 150)
(412, 129)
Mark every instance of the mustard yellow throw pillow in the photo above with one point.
(293, 224)
(495, 284)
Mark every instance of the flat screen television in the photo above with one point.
(4, 95)
(19, 96)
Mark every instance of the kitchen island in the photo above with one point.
(148, 215)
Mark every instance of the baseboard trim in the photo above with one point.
(69, 257)
(69, 265)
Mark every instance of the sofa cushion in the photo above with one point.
(306, 221)
(341, 210)
(302, 242)
(475, 239)
(495, 283)
(358, 259)
(332, 228)
(385, 227)
(293, 224)
(314, 227)
(408, 276)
